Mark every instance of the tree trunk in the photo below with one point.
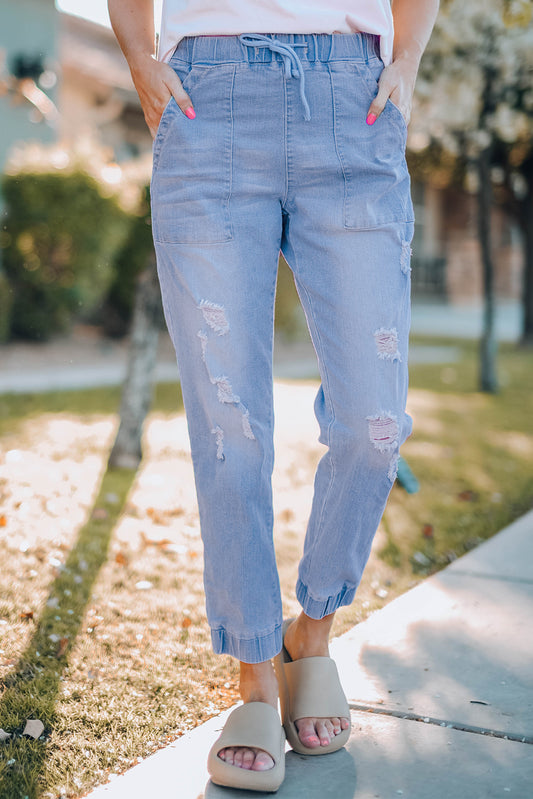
(488, 378)
(526, 223)
(138, 385)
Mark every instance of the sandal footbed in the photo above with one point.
(255, 725)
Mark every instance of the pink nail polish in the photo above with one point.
(371, 118)
(190, 112)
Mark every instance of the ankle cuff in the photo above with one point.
(318, 608)
(249, 650)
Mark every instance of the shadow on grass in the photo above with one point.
(31, 690)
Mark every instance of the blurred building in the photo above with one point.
(96, 91)
(28, 55)
(446, 261)
(75, 65)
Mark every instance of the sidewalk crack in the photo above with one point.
(451, 725)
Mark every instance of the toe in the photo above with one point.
(307, 733)
(238, 758)
(262, 761)
(244, 757)
(322, 732)
(329, 727)
(248, 757)
(345, 724)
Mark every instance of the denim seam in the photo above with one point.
(229, 154)
(346, 172)
(329, 402)
(286, 142)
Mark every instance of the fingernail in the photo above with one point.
(371, 118)
(190, 112)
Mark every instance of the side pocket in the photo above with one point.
(372, 157)
(397, 113)
(183, 73)
(161, 128)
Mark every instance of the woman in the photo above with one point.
(282, 125)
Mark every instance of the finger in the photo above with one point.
(181, 97)
(378, 103)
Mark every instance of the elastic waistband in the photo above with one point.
(208, 50)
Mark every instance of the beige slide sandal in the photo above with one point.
(310, 687)
(255, 725)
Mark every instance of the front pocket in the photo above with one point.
(372, 157)
(191, 178)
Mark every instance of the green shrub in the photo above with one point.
(61, 235)
(6, 301)
(115, 313)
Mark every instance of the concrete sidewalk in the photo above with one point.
(440, 683)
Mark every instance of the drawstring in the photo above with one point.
(293, 65)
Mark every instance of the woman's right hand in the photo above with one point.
(156, 82)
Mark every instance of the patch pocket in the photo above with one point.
(192, 173)
(377, 186)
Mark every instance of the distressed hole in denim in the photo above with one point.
(405, 257)
(246, 427)
(215, 316)
(387, 344)
(202, 335)
(224, 390)
(393, 467)
(383, 431)
(219, 441)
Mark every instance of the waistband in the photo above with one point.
(311, 47)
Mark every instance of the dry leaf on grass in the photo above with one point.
(186, 622)
(179, 511)
(122, 559)
(160, 543)
(62, 648)
(467, 495)
(33, 728)
(26, 615)
(157, 516)
(3, 521)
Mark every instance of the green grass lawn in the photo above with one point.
(115, 672)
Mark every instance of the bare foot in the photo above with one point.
(258, 684)
(306, 637)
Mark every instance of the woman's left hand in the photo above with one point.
(396, 81)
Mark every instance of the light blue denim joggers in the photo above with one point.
(280, 157)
